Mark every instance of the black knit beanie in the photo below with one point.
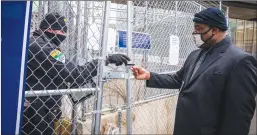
(54, 21)
(212, 17)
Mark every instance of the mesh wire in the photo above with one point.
(159, 19)
(154, 109)
(82, 45)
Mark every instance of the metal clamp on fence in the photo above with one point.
(115, 75)
(119, 75)
(97, 111)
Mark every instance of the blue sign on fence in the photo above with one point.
(139, 40)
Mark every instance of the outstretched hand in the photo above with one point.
(140, 73)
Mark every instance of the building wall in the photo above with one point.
(243, 34)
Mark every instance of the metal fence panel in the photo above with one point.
(160, 20)
(172, 18)
(157, 21)
(69, 97)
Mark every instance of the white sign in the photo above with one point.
(174, 50)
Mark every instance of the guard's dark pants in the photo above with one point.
(38, 119)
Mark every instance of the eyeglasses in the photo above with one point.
(201, 31)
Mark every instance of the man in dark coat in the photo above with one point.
(217, 82)
(47, 69)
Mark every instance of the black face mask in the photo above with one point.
(203, 43)
(55, 38)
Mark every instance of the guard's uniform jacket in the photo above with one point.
(47, 69)
(220, 97)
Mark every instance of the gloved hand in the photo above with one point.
(117, 59)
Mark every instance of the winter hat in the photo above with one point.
(212, 17)
(54, 21)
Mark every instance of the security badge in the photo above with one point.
(57, 55)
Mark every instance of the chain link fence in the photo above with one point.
(154, 25)
(61, 80)
(158, 22)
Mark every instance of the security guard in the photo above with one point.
(47, 69)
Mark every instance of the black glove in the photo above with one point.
(117, 59)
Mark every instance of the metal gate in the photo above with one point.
(94, 31)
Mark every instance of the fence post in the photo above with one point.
(145, 55)
(176, 17)
(78, 31)
(39, 11)
(129, 53)
(101, 67)
(85, 28)
(74, 119)
(45, 7)
(220, 5)
(119, 119)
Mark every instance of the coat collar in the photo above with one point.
(212, 55)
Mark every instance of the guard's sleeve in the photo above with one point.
(239, 98)
(67, 71)
(169, 81)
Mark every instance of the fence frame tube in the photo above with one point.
(101, 67)
(58, 92)
(129, 53)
